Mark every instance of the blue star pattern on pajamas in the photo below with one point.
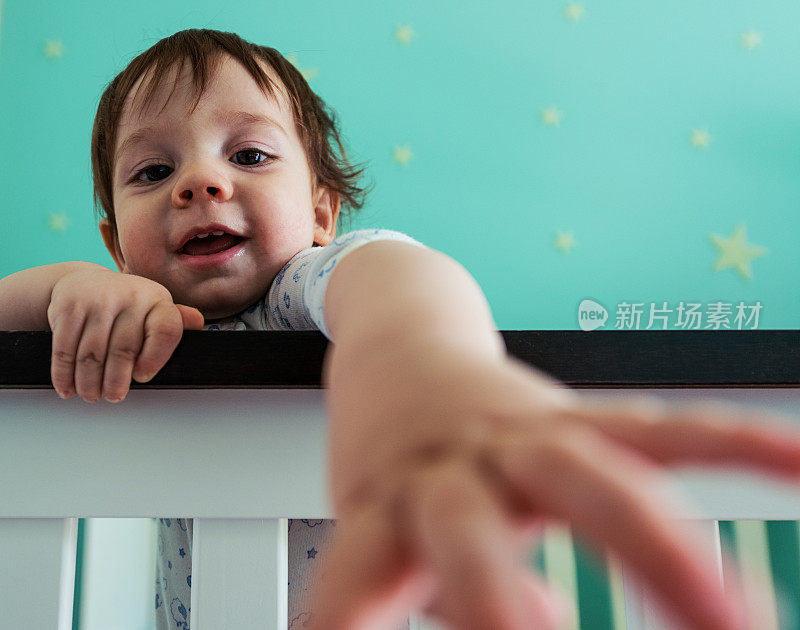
(173, 574)
(294, 301)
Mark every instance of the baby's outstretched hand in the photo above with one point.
(445, 470)
(108, 327)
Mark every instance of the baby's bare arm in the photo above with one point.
(447, 456)
(25, 295)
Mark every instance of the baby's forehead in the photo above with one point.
(155, 88)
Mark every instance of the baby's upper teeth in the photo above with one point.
(215, 233)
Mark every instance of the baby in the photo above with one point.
(220, 190)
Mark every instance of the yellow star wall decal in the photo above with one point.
(551, 116)
(565, 241)
(404, 34)
(308, 73)
(751, 40)
(53, 49)
(700, 138)
(57, 222)
(403, 155)
(574, 11)
(736, 252)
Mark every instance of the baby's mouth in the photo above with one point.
(210, 244)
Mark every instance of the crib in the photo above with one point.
(238, 417)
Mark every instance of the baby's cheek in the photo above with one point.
(144, 261)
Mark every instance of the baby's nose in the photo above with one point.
(187, 194)
(201, 184)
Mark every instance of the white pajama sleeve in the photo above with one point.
(296, 299)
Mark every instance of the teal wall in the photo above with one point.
(666, 128)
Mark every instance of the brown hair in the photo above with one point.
(204, 50)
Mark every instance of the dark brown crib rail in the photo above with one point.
(598, 359)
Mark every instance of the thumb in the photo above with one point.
(192, 318)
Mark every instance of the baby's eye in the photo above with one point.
(155, 171)
(250, 157)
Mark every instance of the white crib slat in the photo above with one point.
(37, 572)
(642, 612)
(240, 574)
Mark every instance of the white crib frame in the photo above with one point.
(204, 454)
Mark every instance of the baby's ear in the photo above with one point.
(326, 208)
(109, 234)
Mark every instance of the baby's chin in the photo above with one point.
(219, 304)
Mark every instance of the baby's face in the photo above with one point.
(223, 168)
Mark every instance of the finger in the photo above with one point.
(90, 357)
(124, 345)
(368, 582)
(543, 602)
(617, 498)
(465, 537)
(709, 432)
(546, 602)
(163, 328)
(66, 335)
(192, 318)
